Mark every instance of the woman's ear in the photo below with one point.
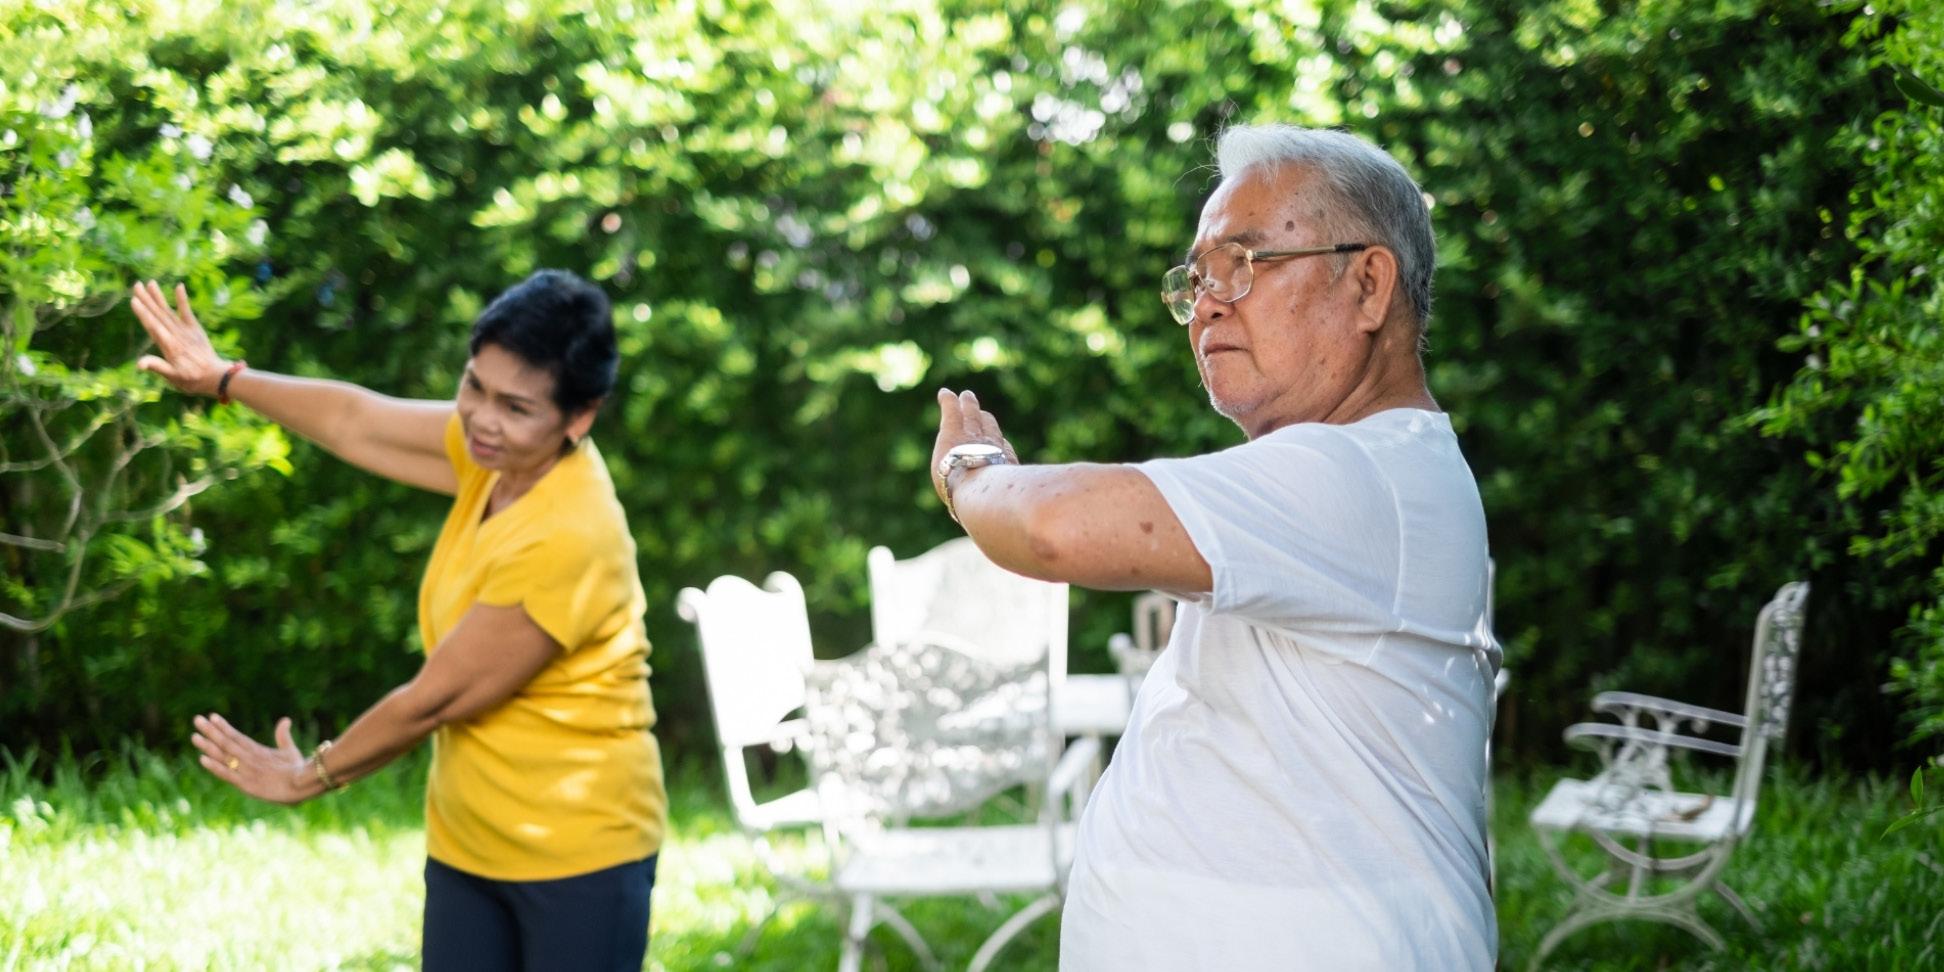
(582, 422)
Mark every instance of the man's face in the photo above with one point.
(1290, 350)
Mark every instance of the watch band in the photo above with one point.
(970, 455)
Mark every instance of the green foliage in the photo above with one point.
(1920, 810)
(810, 217)
(1869, 399)
(1632, 201)
(95, 476)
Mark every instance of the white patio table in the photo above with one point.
(1094, 705)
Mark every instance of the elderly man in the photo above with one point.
(1301, 785)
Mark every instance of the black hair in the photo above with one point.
(556, 321)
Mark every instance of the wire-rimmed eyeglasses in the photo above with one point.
(1226, 273)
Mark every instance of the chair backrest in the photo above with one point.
(1771, 686)
(953, 590)
(924, 728)
(952, 702)
(755, 655)
(1154, 616)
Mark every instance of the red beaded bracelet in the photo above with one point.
(222, 384)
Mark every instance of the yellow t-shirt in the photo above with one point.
(565, 777)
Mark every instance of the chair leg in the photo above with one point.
(1586, 916)
(1695, 926)
(906, 931)
(785, 898)
(1637, 873)
(748, 943)
(860, 925)
(1013, 926)
(1721, 888)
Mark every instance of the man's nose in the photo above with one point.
(1209, 308)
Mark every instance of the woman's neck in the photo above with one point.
(515, 483)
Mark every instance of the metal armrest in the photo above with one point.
(1074, 767)
(1624, 704)
(788, 735)
(1590, 734)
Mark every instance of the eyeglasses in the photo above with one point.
(1226, 273)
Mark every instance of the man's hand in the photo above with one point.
(960, 421)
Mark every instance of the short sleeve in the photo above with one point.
(563, 580)
(1299, 528)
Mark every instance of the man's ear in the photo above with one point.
(1374, 272)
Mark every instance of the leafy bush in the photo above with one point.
(1869, 401)
(95, 477)
(809, 219)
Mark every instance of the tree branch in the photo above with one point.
(32, 543)
(182, 495)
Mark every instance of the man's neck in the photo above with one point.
(1390, 381)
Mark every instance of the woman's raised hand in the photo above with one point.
(187, 360)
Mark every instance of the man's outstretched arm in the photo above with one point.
(1100, 526)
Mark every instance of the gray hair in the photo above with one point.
(1380, 201)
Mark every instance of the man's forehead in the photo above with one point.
(1255, 207)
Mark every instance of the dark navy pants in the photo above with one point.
(596, 921)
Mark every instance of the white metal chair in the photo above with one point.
(1633, 796)
(924, 730)
(1500, 682)
(953, 591)
(756, 654)
(1154, 614)
(954, 704)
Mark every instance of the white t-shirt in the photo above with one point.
(1302, 783)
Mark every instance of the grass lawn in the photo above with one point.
(142, 861)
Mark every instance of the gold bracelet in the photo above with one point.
(317, 763)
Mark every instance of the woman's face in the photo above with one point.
(507, 410)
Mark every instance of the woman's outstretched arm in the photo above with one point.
(400, 439)
(492, 654)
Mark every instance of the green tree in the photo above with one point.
(810, 218)
(1868, 401)
(95, 481)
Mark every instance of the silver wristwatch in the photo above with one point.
(970, 455)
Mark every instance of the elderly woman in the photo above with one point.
(544, 809)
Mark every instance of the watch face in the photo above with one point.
(969, 455)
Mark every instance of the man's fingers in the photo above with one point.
(989, 425)
(969, 415)
(284, 740)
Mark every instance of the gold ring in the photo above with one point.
(234, 762)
